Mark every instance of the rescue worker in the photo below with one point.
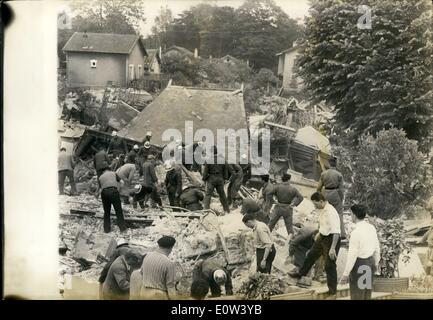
(126, 174)
(235, 182)
(246, 169)
(144, 152)
(332, 187)
(117, 145)
(139, 195)
(264, 198)
(109, 181)
(215, 275)
(133, 154)
(65, 168)
(215, 173)
(150, 178)
(173, 183)
(101, 161)
(287, 197)
(191, 198)
(250, 206)
(301, 243)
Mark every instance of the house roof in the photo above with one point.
(102, 43)
(180, 50)
(313, 138)
(287, 50)
(151, 54)
(206, 108)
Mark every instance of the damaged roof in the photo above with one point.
(102, 43)
(206, 108)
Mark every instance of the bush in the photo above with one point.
(386, 173)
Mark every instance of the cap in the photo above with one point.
(166, 242)
(147, 144)
(137, 188)
(220, 276)
(168, 166)
(136, 147)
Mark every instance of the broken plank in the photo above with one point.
(82, 212)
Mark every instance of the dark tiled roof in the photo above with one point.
(102, 42)
(217, 109)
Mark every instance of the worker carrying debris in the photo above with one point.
(139, 195)
(287, 197)
(332, 186)
(326, 244)
(126, 174)
(116, 285)
(109, 182)
(235, 182)
(215, 274)
(215, 174)
(265, 248)
(65, 167)
(117, 145)
(191, 198)
(150, 178)
(251, 207)
(173, 183)
(158, 272)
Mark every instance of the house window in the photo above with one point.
(131, 72)
(93, 63)
(139, 73)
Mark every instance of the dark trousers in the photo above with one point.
(319, 249)
(62, 176)
(155, 196)
(285, 211)
(218, 184)
(259, 256)
(110, 196)
(299, 255)
(172, 198)
(233, 189)
(361, 289)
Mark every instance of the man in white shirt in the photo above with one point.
(363, 256)
(327, 243)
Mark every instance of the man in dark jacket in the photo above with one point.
(101, 161)
(264, 198)
(191, 198)
(132, 156)
(215, 173)
(215, 274)
(139, 195)
(249, 206)
(173, 183)
(116, 285)
(117, 145)
(150, 178)
(286, 194)
(235, 182)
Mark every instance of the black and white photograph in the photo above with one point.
(224, 150)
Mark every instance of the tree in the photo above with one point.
(387, 173)
(263, 29)
(375, 78)
(160, 31)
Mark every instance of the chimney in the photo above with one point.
(195, 53)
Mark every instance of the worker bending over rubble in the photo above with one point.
(265, 248)
(139, 195)
(301, 243)
(332, 186)
(199, 289)
(150, 178)
(109, 181)
(326, 244)
(287, 197)
(173, 184)
(116, 285)
(65, 167)
(158, 272)
(215, 173)
(251, 207)
(126, 174)
(191, 198)
(215, 275)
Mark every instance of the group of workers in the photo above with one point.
(275, 201)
